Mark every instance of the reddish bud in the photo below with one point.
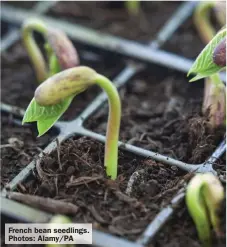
(63, 49)
(219, 55)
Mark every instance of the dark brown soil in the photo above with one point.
(185, 42)
(180, 231)
(24, 146)
(113, 18)
(19, 82)
(103, 202)
(220, 167)
(161, 112)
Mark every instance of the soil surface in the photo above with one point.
(113, 17)
(19, 145)
(180, 231)
(103, 202)
(161, 112)
(220, 167)
(19, 81)
(187, 40)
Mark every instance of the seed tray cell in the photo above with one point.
(113, 18)
(19, 145)
(18, 76)
(164, 98)
(183, 232)
(101, 201)
(112, 43)
(186, 41)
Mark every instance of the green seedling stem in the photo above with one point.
(214, 101)
(60, 52)
(204, 197)
(202, 21)
(32, 48)
(60, 219)
(220, 11)
(133, 7)
(54, 96)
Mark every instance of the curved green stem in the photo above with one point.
(204, 196)
(73, 81)
(32, 48)
(113, 125)
(58, 220)
(202, 21)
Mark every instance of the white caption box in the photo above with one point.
(48, 233)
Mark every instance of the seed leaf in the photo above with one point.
(204, 65)
(45, 116)
(44, 125)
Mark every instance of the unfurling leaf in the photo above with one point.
(53, 96)
(45, 116)
(204, 65)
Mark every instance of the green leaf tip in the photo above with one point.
(45, 116)
(204, 65)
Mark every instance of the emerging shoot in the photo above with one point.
(214, 90)
(204, 197)
(60, 51)
(133, 7)
(53, 97)
(208, 64)
(59, 219)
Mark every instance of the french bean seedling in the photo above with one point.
(208, 65)
(53, 97)
(214, 101)
(204, 197)
(60, 52)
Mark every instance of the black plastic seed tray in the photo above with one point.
(95, 48)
